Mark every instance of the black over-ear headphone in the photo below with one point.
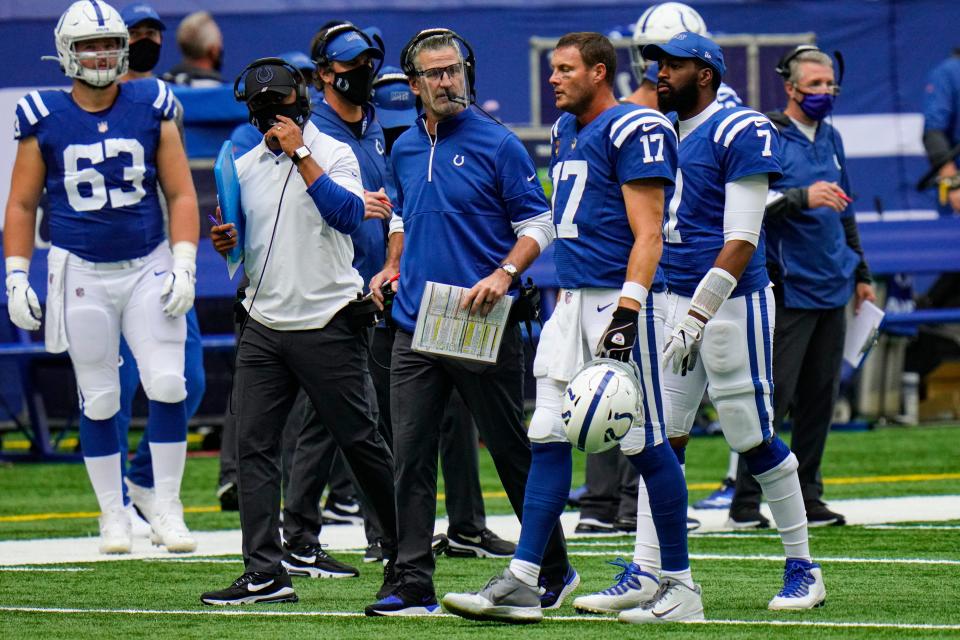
(406, 59)
(329, 31)
(783, 67)
(240, 90)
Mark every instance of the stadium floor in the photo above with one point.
(899, 580)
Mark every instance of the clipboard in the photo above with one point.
(228, 197)
(862, 334)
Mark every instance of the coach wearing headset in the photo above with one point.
(301, 195)
(471, 213)
(816, 263)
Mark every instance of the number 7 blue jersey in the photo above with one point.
(727, 145)
(589, 165)
(101, 174)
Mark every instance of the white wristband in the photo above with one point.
(17, 263)
(713, 291)
(634, 291)
(185, 256)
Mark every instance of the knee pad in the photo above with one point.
(166, 387)
(772, 457)
(101, 406)
(546, 426)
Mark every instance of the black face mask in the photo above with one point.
(355, 85)
(144, 55)
(266, 116)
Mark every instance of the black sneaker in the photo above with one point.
(228, 496)
(341, 510)
(747, 518)
(374, 553)
(439, 544)
(627, 525)
(818, 515)
(253, 587)
(312, 561)
(594, 527)
(406, 600)
(485, 544)
(391, 580)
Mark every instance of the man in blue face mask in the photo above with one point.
(816, 263)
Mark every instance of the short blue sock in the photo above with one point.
(167, 421)
(548, 483)
(99, 437)
(667, 489)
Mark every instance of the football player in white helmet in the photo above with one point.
(102, 151)
(657, 25)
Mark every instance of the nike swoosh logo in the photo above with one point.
(305, 560)
(530, 179)
(649, 126)
(261, 587)
(159, 273)
(601, 309)
(660, 614)
(473, 539)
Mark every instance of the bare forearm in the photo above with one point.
(734, 257)
(184, 218)
(523, 253)
(394, 251)
(642, 264)
(18, 231)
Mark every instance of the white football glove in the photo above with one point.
(680, 352)
(22, 302)
(178, 289)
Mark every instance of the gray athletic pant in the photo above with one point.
(420, 387)
(807, 360)
(330, 364)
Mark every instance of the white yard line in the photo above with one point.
(353, 614)
(45, 569)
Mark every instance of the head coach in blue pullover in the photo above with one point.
(469, 212)
(816, 263)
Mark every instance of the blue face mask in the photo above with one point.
(816, 106)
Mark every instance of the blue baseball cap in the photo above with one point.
(134, 14)
(396, 105)
(688, 45)
(349, 45)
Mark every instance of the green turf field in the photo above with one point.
(881, 583)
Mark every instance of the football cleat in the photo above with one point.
(485, 544)
(169, 529)
(143, 498)
(253, 587)
(554, 591)
(722, 498)
(405, 601)
(140, 527)
(632, 589)
(312, 561)
(673, 602)
(115, 532)
(803, 587)
(505, 598)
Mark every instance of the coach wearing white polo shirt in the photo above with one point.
(301, 196)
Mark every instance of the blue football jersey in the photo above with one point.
(101, 175)
(589, 166)
(730, 144)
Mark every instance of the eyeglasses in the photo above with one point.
(827, 86)
(454, 71)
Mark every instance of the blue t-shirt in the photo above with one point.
(101, 175)
(458, 193)
(370, 239)
(589, 166)
(810, 247)
(730, 144)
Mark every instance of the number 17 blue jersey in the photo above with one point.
(589, 165)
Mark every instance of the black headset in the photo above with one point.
(783, 67)
(329, 31)
(240, 90)
(406, 61)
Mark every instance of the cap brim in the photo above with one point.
(657, 52)
(153, 22)
(353, 52)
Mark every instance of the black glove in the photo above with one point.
(618, 340)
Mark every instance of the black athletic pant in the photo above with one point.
(807, 359)
(330, 364)
(420, 387)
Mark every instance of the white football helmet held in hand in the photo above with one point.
(603, 400)
(92, 20)
(657, 25)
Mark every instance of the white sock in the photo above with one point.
(169, 459)
(732, 465)
(683, 577)
(104, 472)
(646, 545)
(526, 572)
(781, 488)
